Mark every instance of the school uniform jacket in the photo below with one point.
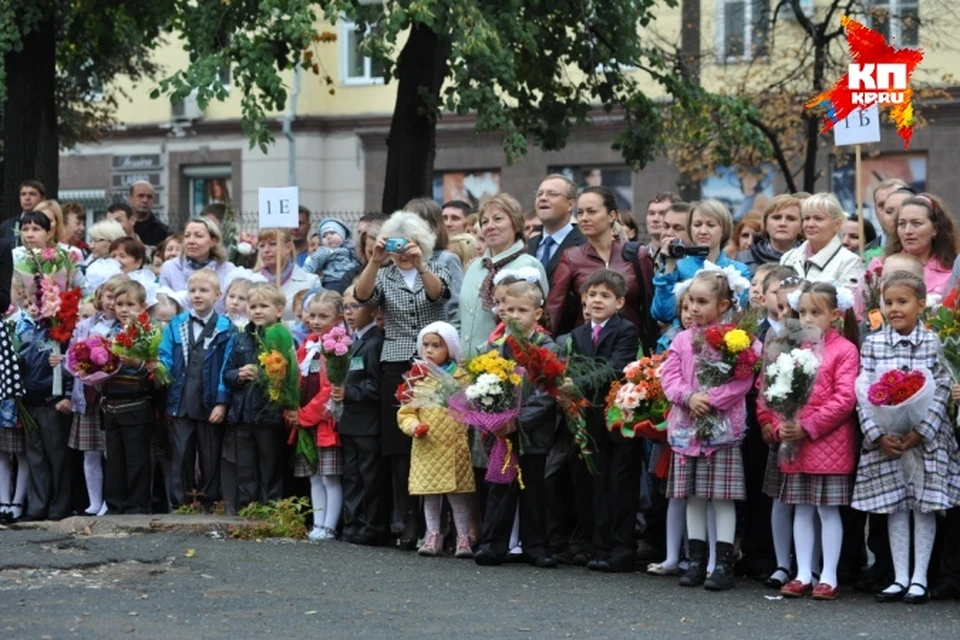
(173, 355)
(361, 394)
(617, 345)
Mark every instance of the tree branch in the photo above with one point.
(777, 152)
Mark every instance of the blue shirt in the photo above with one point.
(664, 306)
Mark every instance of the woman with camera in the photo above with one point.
(501, 223)
(412, 292)
(596, 213)
(780, 232)
(709, 226)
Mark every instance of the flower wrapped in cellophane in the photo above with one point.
(490, 403)
(91, 361)
(791, 362)
(637, 401)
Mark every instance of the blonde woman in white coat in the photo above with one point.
(821, 257)
(293, 279)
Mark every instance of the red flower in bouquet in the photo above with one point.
(895, 387)
(65, 320)
(139, 340)
(714, 335)
(91, 361)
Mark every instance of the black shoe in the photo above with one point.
(407, 544)
(921, 598)
(722, 577)
(582, 558)
(610, 566)
(565, 557)
(5, 516)
(544, 562)
(594, 564)
(896, 596)
(366, 540)
(696, 572)
(648, 552)
(487, 558)
(945, 591)
(517, 558)
(776, 583)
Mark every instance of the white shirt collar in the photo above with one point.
(205, 318)
(599, 324)
(363, 330)
(559, 235)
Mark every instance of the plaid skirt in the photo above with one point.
(329, 463)
(822, 490)
(12, 441)
(771, 477)
(718, 476)
(85, 432)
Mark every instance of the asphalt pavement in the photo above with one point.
(174, 585)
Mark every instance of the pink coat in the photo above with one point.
(679, 381)
(829, 417)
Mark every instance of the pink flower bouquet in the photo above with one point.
(92, 361)
(336, 352)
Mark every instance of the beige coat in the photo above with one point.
(440, 461)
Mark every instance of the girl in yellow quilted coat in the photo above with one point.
(440, 455)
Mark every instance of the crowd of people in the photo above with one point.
(425, 290)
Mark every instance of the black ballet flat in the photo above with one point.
(896, 596)
(774, 583)
(921, 598)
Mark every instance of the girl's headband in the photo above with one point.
(738, 284)
(844, 298)
(525, 274)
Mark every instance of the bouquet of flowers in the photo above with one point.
(50, 271)
(897, 401)
(544, 369)
(488, 404)
(946, 324)
(336, 351)
(411, 393)
(140, 340)
(638, 401)
(792, 362)
(723, 352)
(280, 381)
(92, 361)
(871, 318)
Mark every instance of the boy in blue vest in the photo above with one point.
(195, 345)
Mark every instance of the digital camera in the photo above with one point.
(678, 249)
(395, 245)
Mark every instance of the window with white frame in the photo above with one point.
(743, 29)
(356, 68)
(897, 20)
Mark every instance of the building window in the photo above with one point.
(897, 20)
(223, 76)
(355, 68)
(208, 184)
(743, 29)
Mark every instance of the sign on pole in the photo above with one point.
(860, 127)
(278, 207)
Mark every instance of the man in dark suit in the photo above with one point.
(32, 192)
(363, 476)
(554, 205)
(607, 502)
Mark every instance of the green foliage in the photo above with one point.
(186, 510)
(530, 70)
(97, 41)
(285, 518)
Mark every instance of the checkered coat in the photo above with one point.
(406, 310)
(879, 486)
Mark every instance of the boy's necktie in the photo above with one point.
(595, 334)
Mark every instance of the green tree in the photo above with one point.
(57, 54)
(530, 70)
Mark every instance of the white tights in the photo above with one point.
(432, 505)
(9, 495)
(924, 531)
(805, 538)
(676, 525)
(93, 474)
(326, 497)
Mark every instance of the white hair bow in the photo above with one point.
(312, 349)
(738, 284)
(527, 274)
(844, 297)
(793, 299)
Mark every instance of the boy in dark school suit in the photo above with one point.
(194, 347)
(607, 502)
(363, 475)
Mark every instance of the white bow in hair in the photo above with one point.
(738, 284)
(312, 349)
(793, 299)
(527, 274)
(844, 297)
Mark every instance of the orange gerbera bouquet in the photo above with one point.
(638, 400)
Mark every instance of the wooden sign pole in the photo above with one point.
(859, 196)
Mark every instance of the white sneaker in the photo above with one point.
(328, 534)
(103, 509)
(316, 534)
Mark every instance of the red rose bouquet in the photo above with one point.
(92, 361)
(140, 340)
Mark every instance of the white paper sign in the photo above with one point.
(860, 127)
(279, 207)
